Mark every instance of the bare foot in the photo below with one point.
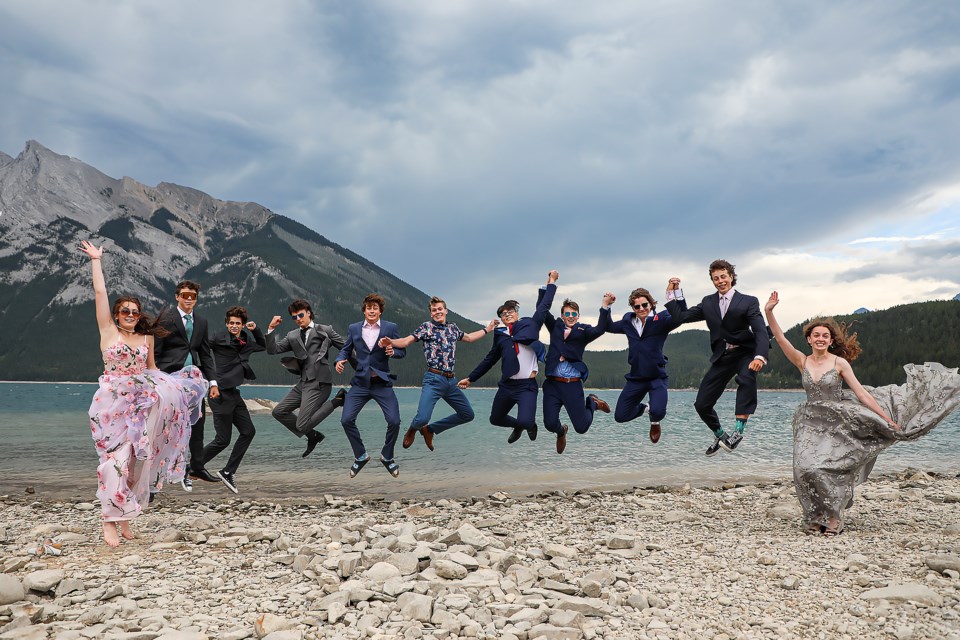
(110, 534)
(124, 527)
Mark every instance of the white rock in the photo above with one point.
(381, 572)
(11, 590)
(907, 592)
(268, 623)
(43, 580)
(414, 606)
(621, 541)
(553, 550)
(449, 569)
(943, 562)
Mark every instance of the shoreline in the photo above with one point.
(648, 563)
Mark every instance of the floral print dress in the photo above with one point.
(140, 421)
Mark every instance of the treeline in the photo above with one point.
(920, 332)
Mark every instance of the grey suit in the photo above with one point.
(311, 393)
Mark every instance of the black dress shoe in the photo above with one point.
(532, 432)
(515, 435)
(313, 439)
(338, 399)
(204, 475)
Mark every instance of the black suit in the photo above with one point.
(736, 338)
(311, 393)
(170, 354)
(232, 358)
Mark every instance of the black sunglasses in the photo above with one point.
(298, 315)
(642, 305)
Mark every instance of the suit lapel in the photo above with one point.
(178, 324)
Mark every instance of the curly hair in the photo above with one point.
(843, 345)
(377, 299)
(640, 292)
(720, 265)
(236, 312)
(146, 325)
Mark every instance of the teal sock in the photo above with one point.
(719, 432)
(741, 424)
(363, 457)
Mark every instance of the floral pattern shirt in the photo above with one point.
(439, 343)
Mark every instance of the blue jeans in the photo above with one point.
(436, 388)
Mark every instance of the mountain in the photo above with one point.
(861, 310)
(240, 253)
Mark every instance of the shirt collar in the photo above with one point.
(367, 325)
(184, 314)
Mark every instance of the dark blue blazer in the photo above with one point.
(573, 346)
(525, 331)
(742, 325)
(645, 352)
(367, 361)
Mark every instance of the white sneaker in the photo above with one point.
(187, 484)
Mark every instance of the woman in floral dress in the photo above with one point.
(140, 417)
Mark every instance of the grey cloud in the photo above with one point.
(937, 260)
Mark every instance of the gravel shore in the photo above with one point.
(658, 562)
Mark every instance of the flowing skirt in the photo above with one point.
(141, 428)
(836, 442)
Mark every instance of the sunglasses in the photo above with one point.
(297, 316)
(570, 314)
(508, 312)
(127, 311)
(642, 305)
(186, 295)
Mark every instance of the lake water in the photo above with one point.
(45, 443)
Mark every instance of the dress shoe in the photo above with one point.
(427, 436)
(602, 405)
(338, 399)
(515, 435)
(562, 439)
(204, 475)
(532, 432)
(654, 432)
(313, 439)
(409, 437)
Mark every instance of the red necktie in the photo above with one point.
(516, 347)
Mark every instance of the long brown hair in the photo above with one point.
(843, 345)
(146, 325)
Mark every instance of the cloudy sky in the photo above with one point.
(469, 146)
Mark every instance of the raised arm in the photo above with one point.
(104, 319)
(480, 333)
(401, 343)
(546, 300)
(867, 400)
(794, 355)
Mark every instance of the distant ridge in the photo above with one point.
(861, 310)
(240, 252)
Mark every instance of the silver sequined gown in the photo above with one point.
(837, 439)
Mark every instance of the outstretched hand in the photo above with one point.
(609, 299)
(339, 366)
(95, 253)
(772, 302)
(553, 276)
(463, 384)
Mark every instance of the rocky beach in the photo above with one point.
(718, 562)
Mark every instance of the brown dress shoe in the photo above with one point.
(601, 404)
(427, 437)
(654, 432)
(409, 437)
(562, 440)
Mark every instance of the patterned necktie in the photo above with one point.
(188, 324)
(723, 306)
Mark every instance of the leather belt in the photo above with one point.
(445, 374)
(559, 379)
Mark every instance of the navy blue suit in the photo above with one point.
(648, 365)
(372, 380)
(735, 339)
(510, 392)
(569, 395)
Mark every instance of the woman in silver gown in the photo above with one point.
(839, 434)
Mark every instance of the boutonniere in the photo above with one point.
(656, 316)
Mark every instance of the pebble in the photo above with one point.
(597, 565)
